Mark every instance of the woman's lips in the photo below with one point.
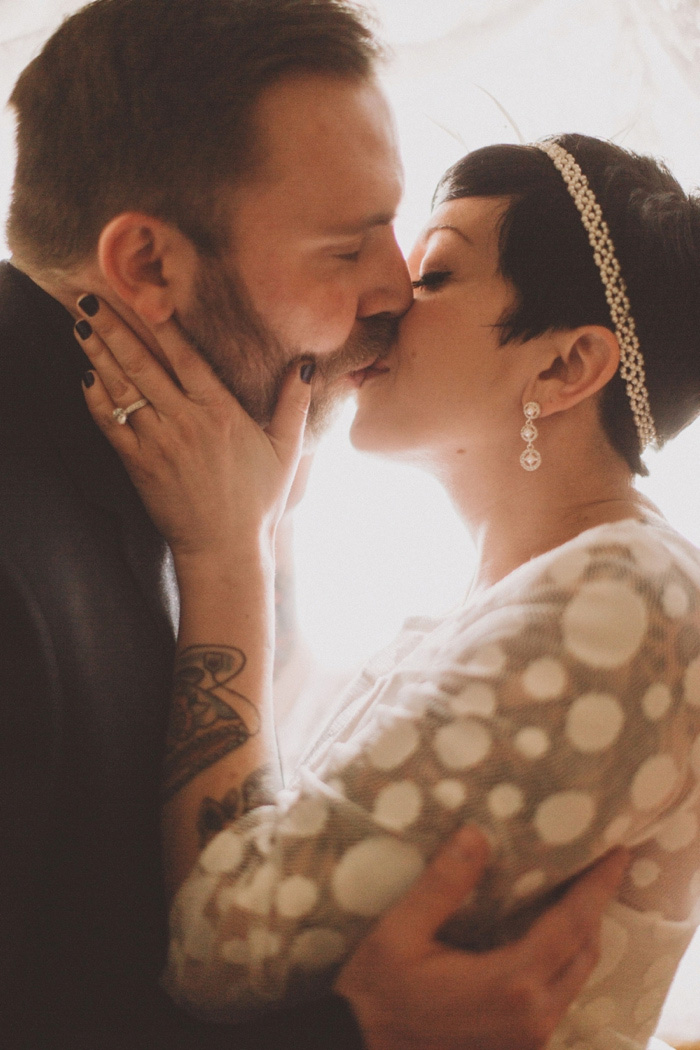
(376, 368)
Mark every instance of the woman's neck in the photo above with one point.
(514, 516)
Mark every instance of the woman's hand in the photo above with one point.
(212, 480)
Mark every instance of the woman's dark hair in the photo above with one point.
(544, 252)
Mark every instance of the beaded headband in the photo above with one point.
(631, 360)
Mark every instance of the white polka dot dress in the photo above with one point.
(561, 712)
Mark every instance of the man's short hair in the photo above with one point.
(147, 105)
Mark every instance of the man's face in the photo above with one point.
(313, 267)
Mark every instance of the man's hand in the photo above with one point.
(410, 992)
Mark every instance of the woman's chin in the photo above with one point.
(362, 438)
(365, 434)
(377, 436)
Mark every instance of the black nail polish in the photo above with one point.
(89, 304)
(84, 329)
(306, 372)
(88, 379)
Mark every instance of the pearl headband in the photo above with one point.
(631, 360)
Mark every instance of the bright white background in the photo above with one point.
(376, 543)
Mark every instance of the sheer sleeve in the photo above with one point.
(562, 716)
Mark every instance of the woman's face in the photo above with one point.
(448, 387)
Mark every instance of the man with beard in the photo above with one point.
(230, 166)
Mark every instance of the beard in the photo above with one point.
(252, 362)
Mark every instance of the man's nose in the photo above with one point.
(389, 289)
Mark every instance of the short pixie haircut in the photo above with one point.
(545, 254)
(148, 104)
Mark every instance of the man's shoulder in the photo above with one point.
(18, 296)
(40, 369)
(31, 321)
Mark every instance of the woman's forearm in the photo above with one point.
(216, 485)
(221, 757)
(286, 626)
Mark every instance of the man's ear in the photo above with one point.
(584, 360)
(149, 263)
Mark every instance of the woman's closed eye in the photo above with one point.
(431, 280)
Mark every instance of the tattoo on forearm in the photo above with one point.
(258, 789)
(209, 718)
(213, 816)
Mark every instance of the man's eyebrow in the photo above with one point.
(362, 225)
(447, 226)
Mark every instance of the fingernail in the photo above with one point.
(306, 372)
(84, 329)
(88, 379)
(89, 304)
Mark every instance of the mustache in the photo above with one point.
(372, 339)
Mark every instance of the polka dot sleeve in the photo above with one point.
(561, 713)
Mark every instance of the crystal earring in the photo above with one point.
(530, 458)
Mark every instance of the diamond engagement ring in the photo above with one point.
(122, 414)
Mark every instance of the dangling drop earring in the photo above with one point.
(530, 458)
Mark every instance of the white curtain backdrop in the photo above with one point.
(375, 542)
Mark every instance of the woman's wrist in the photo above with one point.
(250, 561)
(227, 598)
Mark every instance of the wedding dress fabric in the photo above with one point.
(560, 711)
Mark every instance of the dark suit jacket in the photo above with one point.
(87, 611)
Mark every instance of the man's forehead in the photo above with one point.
(330, 163)
(312, 123)
(334, 200)
(361, 224)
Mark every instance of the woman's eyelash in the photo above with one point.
(432, 279)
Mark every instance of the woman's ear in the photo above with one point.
(149, 263)
(585, 360)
